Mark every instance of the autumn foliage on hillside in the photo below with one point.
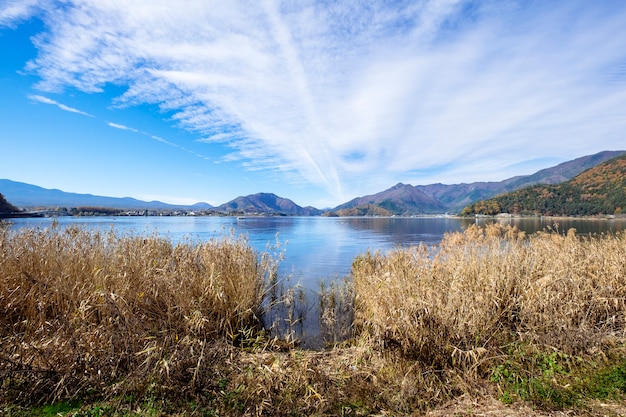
(599, 190)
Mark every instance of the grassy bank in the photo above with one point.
(100, 324)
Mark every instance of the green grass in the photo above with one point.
(541, 378)
(554, 380)
(609, 382)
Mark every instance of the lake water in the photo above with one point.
(316, 249)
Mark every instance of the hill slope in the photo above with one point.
(599, 190)
(6, 208)
(401, 199)
(267, 203)
(456, 197)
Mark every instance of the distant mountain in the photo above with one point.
(598, 190)
(31, 196)
(266, 203)
(401, 199)
(456, 197)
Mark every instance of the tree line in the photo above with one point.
(6, 207)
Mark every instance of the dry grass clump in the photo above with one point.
(574, 293)
(355, 380)
(540, 319)
(81, 310)
(451, 305)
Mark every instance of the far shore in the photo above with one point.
(35, 212)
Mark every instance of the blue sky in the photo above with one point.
(316, 101)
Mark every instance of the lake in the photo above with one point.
(316, 249)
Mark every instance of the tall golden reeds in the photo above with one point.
(83, 308)
(448, 305)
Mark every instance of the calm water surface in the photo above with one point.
(316, 249)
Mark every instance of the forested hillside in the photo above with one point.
(599, 190)
(6, 207)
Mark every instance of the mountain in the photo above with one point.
(598, 190)
(455, 197)
(562, 172)
(27, 195)
(266, 203)
(32, 196)
(401, 199)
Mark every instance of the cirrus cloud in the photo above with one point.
(352, 96)
(46, 100)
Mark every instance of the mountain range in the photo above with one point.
(597, 191)
(30, 196)
(401, 199)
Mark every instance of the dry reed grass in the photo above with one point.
(450, 306)
(121, 317)
(81, 310)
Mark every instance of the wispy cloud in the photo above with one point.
(156, 138)
(14, 11)
(122, 127)
(344, 94)
(46, 100)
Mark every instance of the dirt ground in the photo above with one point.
(492, 407)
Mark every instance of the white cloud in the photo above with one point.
(14, 11)
(122, 127)
(46, 100)
(351, 96)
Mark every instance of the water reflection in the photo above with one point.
(403, 231)
(562, 224)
